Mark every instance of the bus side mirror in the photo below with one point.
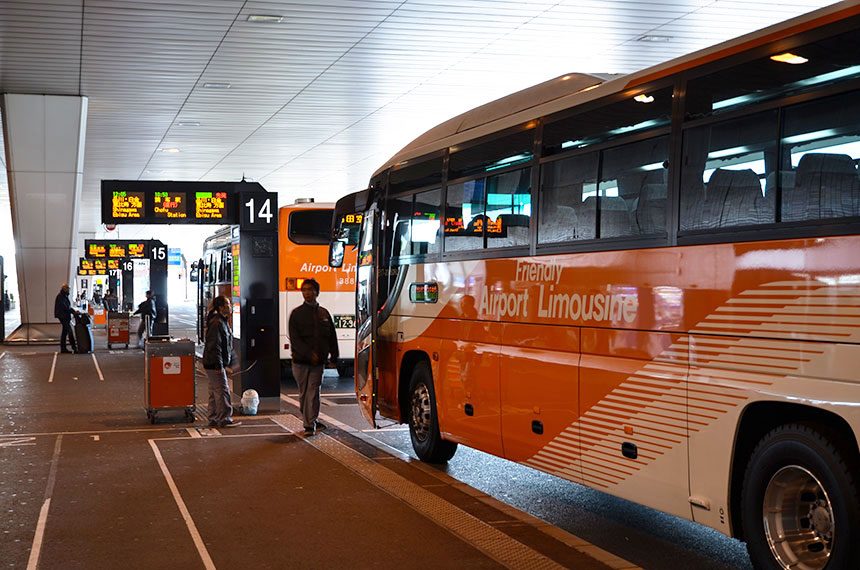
(335, 253)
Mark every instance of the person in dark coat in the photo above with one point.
(312, 339)
(63, 312)
(218, 361)
(146, 310)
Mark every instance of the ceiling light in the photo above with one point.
(265, 19)
(654, 38)
(188, 123)
(789, 58)
(172, 150)
(216, 85)
(643, 98)
(565, 78)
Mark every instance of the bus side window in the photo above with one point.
(821, 150)
(724, 173)
(426, 235)
(464, 216)
(400, 212)
(565, 184)
(509, 208)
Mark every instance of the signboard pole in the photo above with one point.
(158, 285)
(258, 290)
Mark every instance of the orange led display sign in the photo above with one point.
(128, 205)
(136, 250)
(170, 205)
(210, 205)
(96, 250)
(116, 250)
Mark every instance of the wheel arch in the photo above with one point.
(757, 420)
(407, 364)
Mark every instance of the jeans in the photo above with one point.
(67, 332)
(309, 378)
(220, 409)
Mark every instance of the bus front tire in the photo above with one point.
(423, 420)
(799, 485)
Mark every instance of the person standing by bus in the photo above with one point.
(63, 312)
(146, 310)
(312, 339)
(218, 359)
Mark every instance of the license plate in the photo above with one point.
(344, 321)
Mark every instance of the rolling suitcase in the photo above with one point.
(84, 333)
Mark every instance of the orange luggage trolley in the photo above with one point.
(169, 372)
(118, 328)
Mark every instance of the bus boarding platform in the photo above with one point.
(87, 482)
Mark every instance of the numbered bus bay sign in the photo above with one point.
(259, 210)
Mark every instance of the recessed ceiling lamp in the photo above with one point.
(654, 38)
(265, 19)
(789, 58)
(172, 150)
(188, 123)
(643, 98)
(216, 85)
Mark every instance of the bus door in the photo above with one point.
(366, 307)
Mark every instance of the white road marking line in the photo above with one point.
(193, 432)
(2, 354)
(96, 438)
(189, 522)
(18, 442)
(53, 366)
(98, 368)
(398, 428)
(36, 549)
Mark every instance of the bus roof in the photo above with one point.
(574, 89)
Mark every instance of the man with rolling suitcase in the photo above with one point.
(63, 312)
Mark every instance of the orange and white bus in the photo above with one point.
(649, 285)
(304, 232)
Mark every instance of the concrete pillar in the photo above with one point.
(44, 136)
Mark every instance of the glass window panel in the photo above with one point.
(633, 188)
(724, 173)
(426, 223)
(829, 60)
(565, 186)
(464, 216)
(509, 208)
(632, 115)
(821, 151)
(400, 217)
(503, 152)
(310, 227)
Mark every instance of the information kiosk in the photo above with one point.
(255, 212)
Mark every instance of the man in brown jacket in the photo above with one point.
(312, 339)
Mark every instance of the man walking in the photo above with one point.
(146, 310)
(312, 339)
(63, 312)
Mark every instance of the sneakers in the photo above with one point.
(310, 431)
(320, 426)
(230, 424)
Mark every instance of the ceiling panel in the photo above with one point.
(318, 101)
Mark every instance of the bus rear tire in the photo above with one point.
(423, 420)
(799, 484)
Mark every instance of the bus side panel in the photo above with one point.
(633, 393)
(469, 378)
(540, 396)
(735, 372)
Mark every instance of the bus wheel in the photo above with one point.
(423, 421)
(800, 506)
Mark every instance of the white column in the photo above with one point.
(44, 136)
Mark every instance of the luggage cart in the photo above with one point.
(118, 328)
(169, 372)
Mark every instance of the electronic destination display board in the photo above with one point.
(170, 205)
(127, 205)
(113, 264)
(169, 202)
(115, 249)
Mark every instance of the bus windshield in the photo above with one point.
(310, 227)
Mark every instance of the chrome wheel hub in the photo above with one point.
(798, 519)
(421, 412)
